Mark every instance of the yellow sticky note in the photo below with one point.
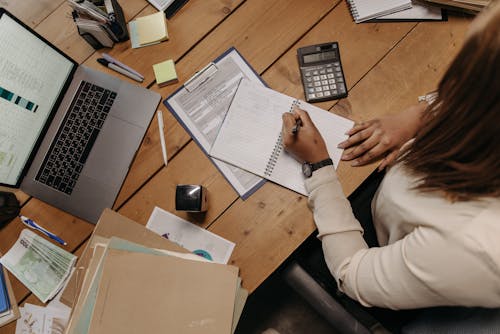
(165, 73)
(152, 28)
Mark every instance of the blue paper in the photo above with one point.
(4, 296)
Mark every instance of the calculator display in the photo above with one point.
(316, 57)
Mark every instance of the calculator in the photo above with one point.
(321, 72)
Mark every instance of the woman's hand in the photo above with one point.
(380, 137)
(306, 144)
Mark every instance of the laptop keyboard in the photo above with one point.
(75, 137)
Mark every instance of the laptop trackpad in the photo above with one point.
(113, 152)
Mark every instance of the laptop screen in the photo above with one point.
(33, 75)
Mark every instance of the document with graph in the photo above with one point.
(250, 135)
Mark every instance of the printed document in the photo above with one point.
(201, 105)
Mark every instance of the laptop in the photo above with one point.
(68, 133)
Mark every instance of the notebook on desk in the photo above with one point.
(68, 133)
(363, 10)
(250, 136)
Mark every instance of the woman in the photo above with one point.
(437, 211)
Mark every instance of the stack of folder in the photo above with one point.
(8, 305)
(131, 280)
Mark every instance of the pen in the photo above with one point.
(118, 69)
(31, 224)
(122, 65)
(298, 124)
(162, 137)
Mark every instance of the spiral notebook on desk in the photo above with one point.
(363, 10)
(250, 135)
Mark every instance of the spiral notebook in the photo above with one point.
(363, 10)
(250, 135)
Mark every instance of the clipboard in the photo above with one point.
(193, 86)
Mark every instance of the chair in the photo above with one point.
(306, 273)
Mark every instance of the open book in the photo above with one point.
(250, 136)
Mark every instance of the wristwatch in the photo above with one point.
(309, 168)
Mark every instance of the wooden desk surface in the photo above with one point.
(387, 65)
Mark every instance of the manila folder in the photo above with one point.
(145, 293)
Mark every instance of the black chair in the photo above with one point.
(306, 273)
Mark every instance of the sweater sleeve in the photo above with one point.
(405, 274)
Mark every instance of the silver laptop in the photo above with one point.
(68, 133)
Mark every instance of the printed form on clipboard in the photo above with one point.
(201, 104)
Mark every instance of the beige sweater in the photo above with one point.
(433, 252)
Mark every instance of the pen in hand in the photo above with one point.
(295, 128)
(31, 224)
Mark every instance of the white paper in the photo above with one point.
(202, 109)
(41, 320)
(190, 236)
(250, 136)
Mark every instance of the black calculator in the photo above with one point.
(321, 71)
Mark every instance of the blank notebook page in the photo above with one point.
(363, 10)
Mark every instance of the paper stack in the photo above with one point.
(148, 30)
(392, 10)
(39, 264)
(469, 6)
(8, 305)
(131, 280)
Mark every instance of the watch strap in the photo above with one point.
(322, 163)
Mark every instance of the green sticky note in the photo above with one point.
(165, 73)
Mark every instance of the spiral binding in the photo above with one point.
(273, 159)
(278, 146)
(353, 9)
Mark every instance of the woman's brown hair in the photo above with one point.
(458, 151)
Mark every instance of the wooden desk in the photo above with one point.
(387, 65)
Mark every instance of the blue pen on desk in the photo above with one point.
(31, 224)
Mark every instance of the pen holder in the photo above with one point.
(191, 198)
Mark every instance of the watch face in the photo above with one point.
(306, 169)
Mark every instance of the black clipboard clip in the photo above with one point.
(200, 77)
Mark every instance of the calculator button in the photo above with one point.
(324, 82)
(327, 93)
(310, 90)
(322, 77)
(309, 79)
(319, 94)
(333, 86)
(310, 84)
(340, 79)
(312, 96)
(322, 71)
(338, 69)
(318, 89)
(315, 72)
(329, 70)
(336, 63)
(316, 77)
(317, 83)
(330, 76)
(307, 73)
(331, 81)
(328, 65)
